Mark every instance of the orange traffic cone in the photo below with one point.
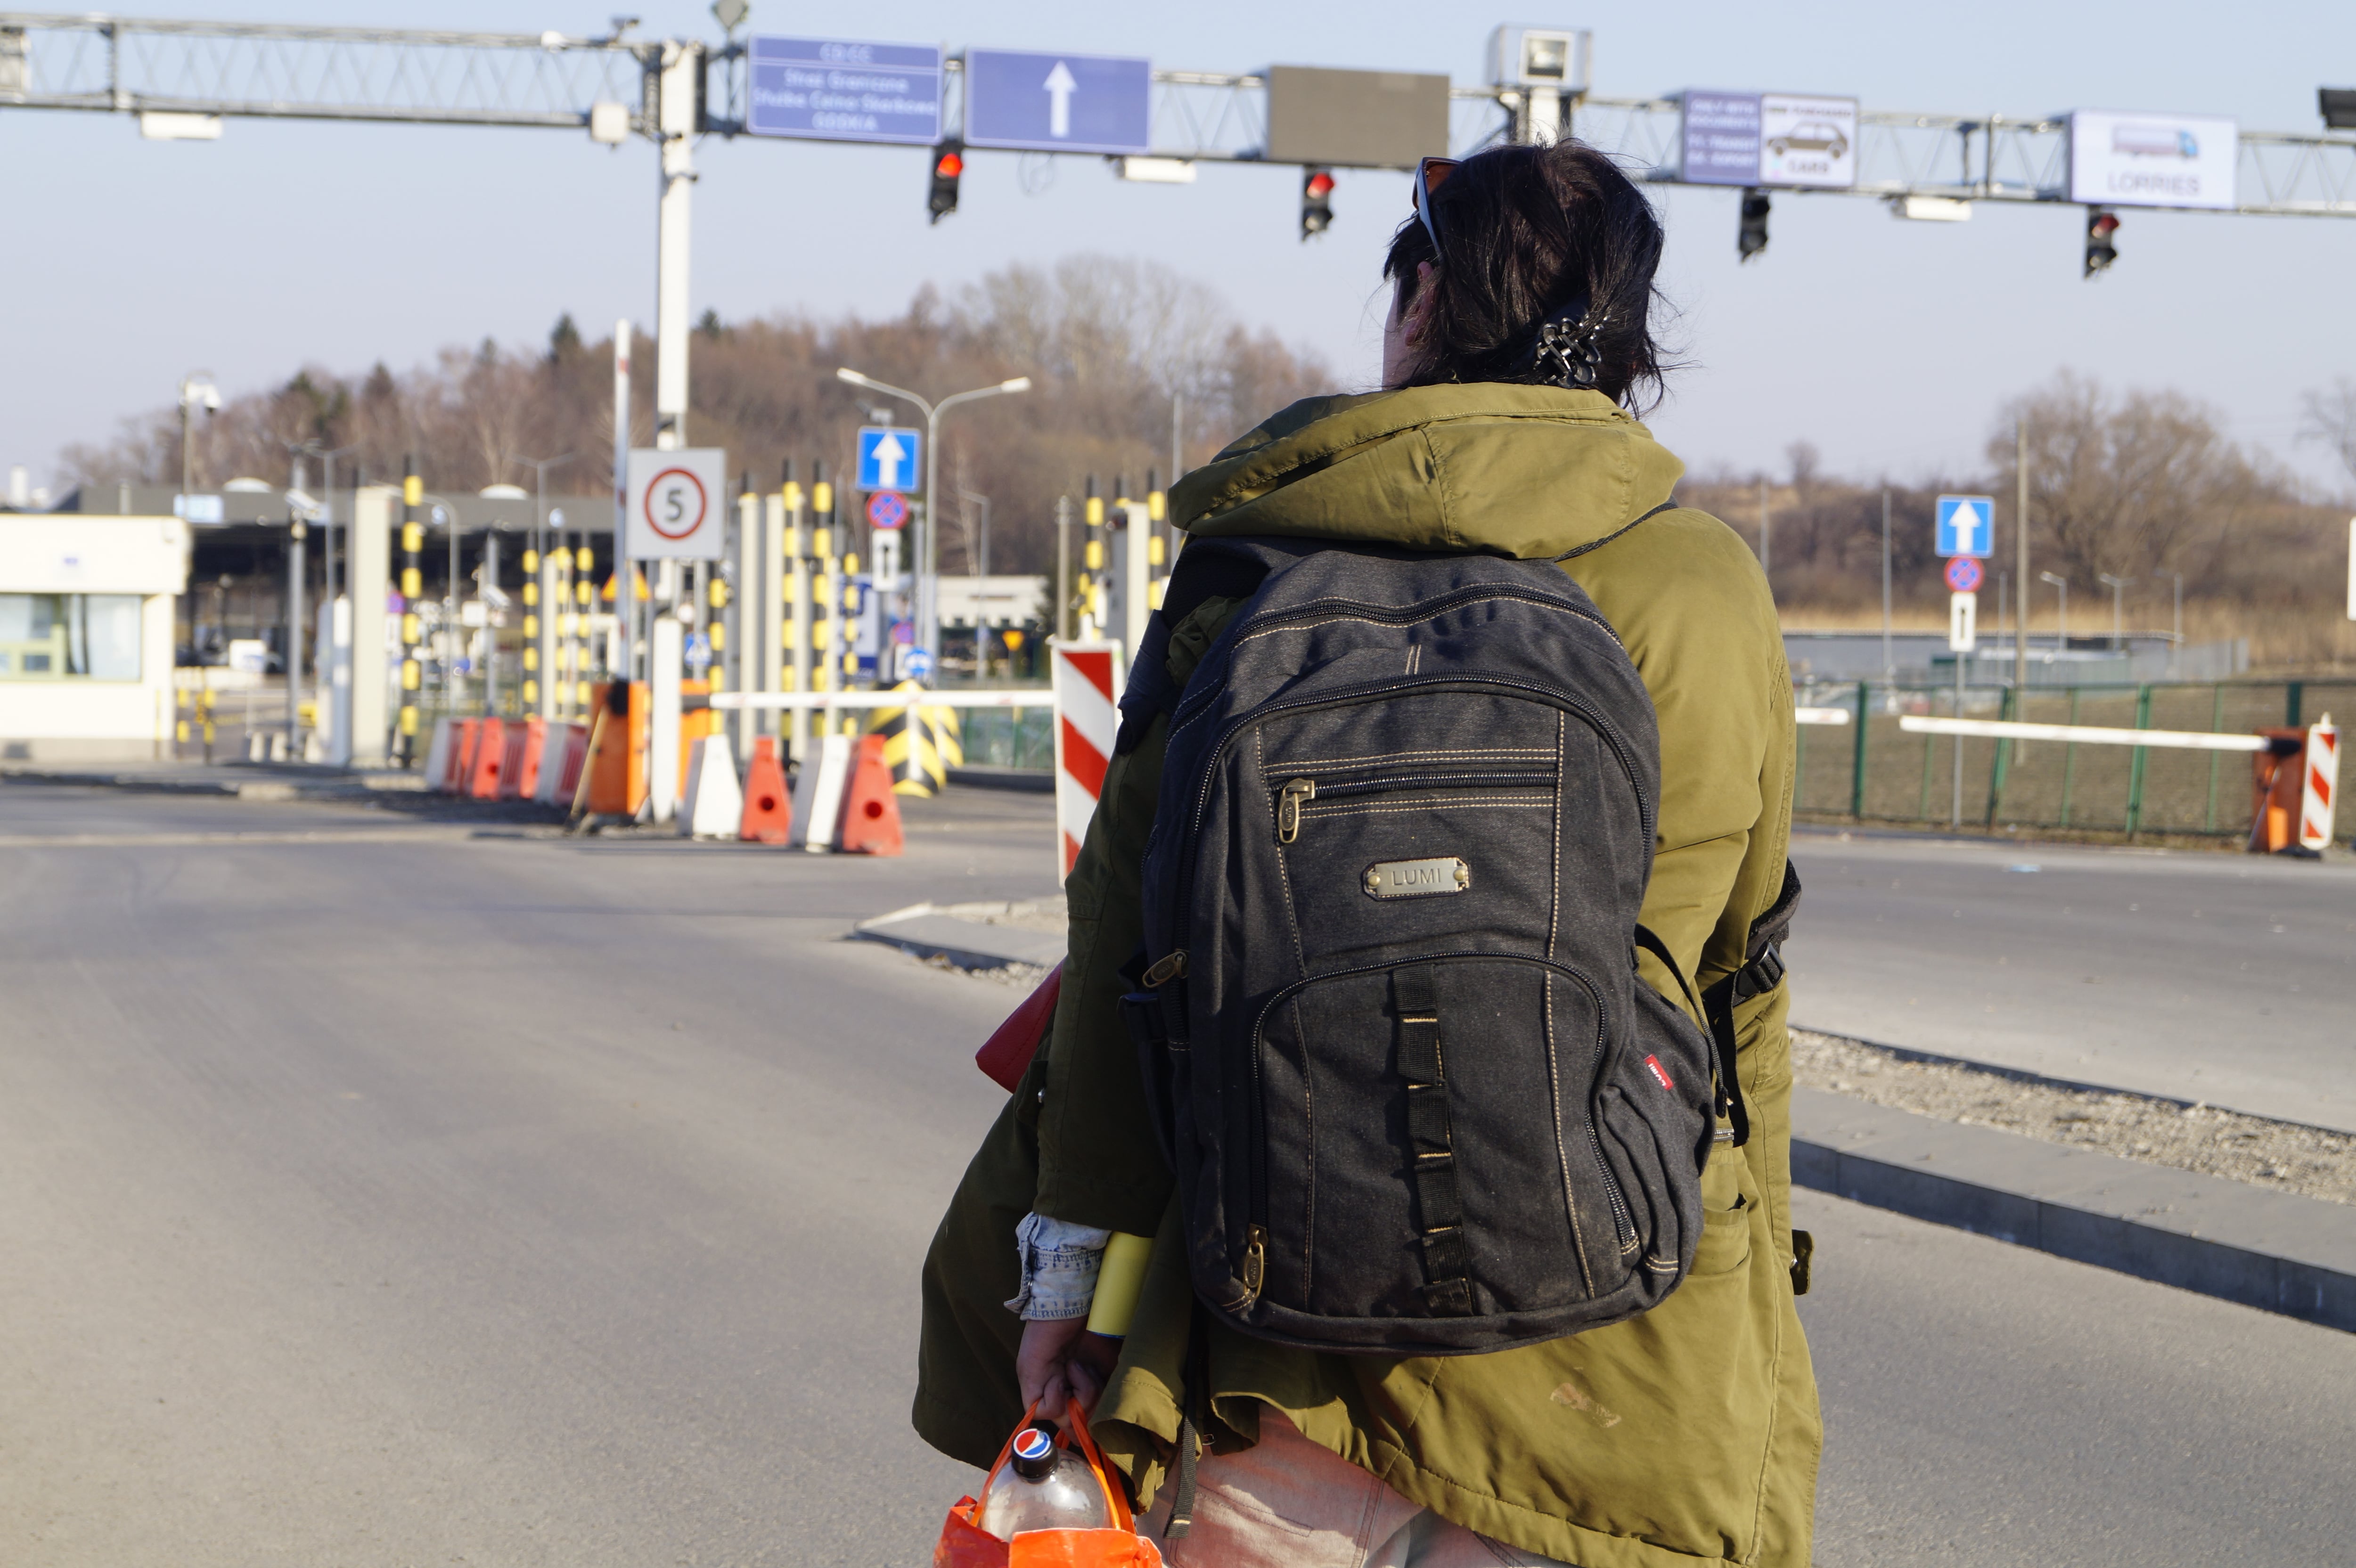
(489, 760)
(768, 809)
(870, 812)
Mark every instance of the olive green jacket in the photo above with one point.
(1689, 1435)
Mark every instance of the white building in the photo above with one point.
(994, 600)
(86, 636)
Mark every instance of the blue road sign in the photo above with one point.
(841, 91)
(1966, 526)
(1057, 103)
(890, 458)
(915, 664)
(886, 510)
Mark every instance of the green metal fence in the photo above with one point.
(1871, 770)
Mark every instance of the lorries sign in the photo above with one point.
(1780, 139)
(2152, 160)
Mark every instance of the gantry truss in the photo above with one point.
(119, 65)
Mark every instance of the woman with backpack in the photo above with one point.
(1427, 928)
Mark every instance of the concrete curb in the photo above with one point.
(962, 934)
(2272, 1251)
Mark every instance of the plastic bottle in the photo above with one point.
(1043, 1486)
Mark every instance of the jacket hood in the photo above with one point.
(1521, 471)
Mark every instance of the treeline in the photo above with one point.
(2142, 486)
(1114, 348)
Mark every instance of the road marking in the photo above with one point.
(231, 840)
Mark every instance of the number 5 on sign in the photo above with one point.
(678, 504)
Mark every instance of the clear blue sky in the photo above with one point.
(1887, 344)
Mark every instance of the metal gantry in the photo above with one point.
(553, 79)
(271, 70)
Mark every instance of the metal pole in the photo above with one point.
(2020, 529)
(1889, 671)
(1766, 540)
(486, 589)
(929, 558)
(619, 658)
(678, 87)
(1955, 816)
(791, 553)
(1062, 567)
(294, 573)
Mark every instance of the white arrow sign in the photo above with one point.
(1060, 87)
(889, 454)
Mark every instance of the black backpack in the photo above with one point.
(1417, 1100)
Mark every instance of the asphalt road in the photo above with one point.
(2222, 978)
(382, 1195)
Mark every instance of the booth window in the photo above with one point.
(57, 636)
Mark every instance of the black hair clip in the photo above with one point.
(1565, 354)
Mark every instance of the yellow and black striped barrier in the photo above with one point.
(921, 743)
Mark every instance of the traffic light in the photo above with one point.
(2101, 224)
(1316, 201)
(1751, 237)
(948, 163)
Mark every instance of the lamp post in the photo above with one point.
(197, 392)
(929, 621)
(2062, 623)
(977, 558)
(2117, 585)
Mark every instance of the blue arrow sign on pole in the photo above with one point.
(1966, 526)
(890, 458)
(1057, 103)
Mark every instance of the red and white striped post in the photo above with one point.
(2322, 786)
(1087, 719)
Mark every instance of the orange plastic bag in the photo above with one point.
(965, 1544)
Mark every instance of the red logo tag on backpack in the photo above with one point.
(1655, 1064)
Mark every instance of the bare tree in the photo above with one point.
(2329, 415)
(2125, 484)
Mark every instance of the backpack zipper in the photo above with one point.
(1297, 793)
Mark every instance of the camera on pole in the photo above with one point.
(948, 163)
(1316, 201)
(2101, 224)
(1751, 237)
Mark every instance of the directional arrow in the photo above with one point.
(1967, 529)
(889, 454)
(1060, 87)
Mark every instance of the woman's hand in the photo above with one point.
(1061, 1361)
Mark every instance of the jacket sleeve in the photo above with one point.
(1100, 1160)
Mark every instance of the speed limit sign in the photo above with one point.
(678, 504)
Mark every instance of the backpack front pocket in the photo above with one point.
(1443, 1100)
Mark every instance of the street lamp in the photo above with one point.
(2061, 632)
(197, 392)
(929, 620)
(2117, 586)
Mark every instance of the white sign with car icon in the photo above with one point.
(1809, 141)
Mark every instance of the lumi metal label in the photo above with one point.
(1417, 878)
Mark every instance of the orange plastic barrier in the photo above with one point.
(460, 766)
(871, 811)
(618, 777)
(2277, 778)
(489, 762)
(576, 757)
(768, 807)
(521, 770)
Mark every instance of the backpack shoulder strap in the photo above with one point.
(1206, 569)
(1762, 970)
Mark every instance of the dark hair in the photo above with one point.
(1526, 233)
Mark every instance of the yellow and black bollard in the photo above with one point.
(412, 589)
(914, 745)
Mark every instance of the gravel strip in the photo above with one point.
(2283, 1155)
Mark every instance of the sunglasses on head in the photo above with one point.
(1429, 175)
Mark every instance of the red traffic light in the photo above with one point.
(2105, 224)
(1321, 185)
(949, 166)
